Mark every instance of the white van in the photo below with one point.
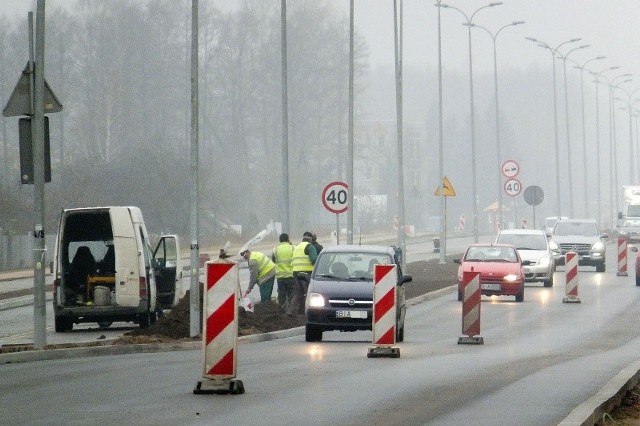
(104, 269)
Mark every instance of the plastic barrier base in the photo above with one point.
(225, 387)
(470, 340)
(383, 352)
(571, 299)
(622, 274)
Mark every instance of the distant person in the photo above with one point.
(262, 271)
(283, 258)
(304, 257)
(315, 243)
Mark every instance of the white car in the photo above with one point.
(533, 245)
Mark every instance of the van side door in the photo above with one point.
(168, 271)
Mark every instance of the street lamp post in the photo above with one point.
(598, 180)
(613, 166)
(584, 134)
(474, 190)
(630, 103)
(494, 37)
(566, 112)
(555, 112)
(443, 211)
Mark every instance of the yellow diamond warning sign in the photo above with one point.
(446, 189)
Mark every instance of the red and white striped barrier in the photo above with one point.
(571, 279)
(220, 330)
(384, 312)
(622, 257)
(461, 224)
(471, 296)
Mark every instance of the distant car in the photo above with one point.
(340, 293)
(583, 237)
(533, 245)
(500, 267)
(629, 229)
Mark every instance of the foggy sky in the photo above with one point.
(610, 27)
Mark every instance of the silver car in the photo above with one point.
(533, 245)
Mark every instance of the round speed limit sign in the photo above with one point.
(335, 197)
(512, 187)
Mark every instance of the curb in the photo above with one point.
(19, 302)
(594, 410)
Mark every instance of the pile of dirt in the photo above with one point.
(267, 317)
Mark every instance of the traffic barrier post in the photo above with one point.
(471, 297)
(622, 257)
(384, 312)
(571, 278)
(220, 330)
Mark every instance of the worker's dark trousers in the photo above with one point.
(299, 293)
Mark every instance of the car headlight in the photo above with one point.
(510, 277)
(316, 300)
(553, 245)
(599, 246)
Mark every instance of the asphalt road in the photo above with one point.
(540, 359)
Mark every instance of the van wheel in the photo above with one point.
(104, 324)
(145, 320)
(63, 324)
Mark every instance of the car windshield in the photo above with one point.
(348, 266)
(586, 229)
(524, 241)
(491, 254)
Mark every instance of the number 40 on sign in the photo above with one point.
(335, 197)
(512, 187)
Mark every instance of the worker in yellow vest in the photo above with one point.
(283, 257)
(262, 271)
(304, 257)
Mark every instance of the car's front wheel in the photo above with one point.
(312, 333)
(549, 282)
(600, 267)
(63, 324)
(520, 295)
(400, 334)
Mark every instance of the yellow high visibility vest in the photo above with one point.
(265, 265)
(283, 254)
(301, 261)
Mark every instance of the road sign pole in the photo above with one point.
(39, 301)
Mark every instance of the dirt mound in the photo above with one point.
(267, 317)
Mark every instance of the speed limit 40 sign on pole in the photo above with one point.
(512, 187)
(335, 197)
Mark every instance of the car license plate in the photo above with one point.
(351, 314)
(494, 287)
